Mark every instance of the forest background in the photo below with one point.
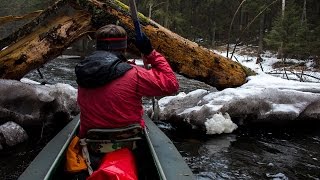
(290, 28)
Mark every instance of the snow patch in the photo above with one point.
(220, 123)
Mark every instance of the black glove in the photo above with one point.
(143, 44)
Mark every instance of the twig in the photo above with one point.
(301, 75)
(40, 74)
(41, 134)
(236, 59)
(261, 66)
(242, 33)
(229, 32)
(285, 72)
(301, 79)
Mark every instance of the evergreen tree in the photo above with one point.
(290, 31)
(314, 42)
(208, 21)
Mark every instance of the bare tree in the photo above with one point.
(166, 17)
(249, 24)
(283, 7)
(280, 50)
(152, 5)
(261, 33)
(304, 12)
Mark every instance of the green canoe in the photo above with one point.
(163, 158)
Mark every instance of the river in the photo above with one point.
(259, 151)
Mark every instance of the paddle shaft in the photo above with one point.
(138, 31)
(136, 23)
(135, 19)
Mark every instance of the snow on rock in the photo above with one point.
(32, 105)
(263, 98)
(12, 134)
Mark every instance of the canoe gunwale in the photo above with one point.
(63, 149)
(154, 155)
(41, 167)
(171, 162)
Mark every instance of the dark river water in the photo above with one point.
(259, 151)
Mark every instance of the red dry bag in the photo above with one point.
(116, 165)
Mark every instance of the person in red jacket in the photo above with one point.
(110, 89)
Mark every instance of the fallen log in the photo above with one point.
(7, 19)
(33, 24)
(185, 57)
(43, 44)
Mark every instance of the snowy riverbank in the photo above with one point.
(264, 98)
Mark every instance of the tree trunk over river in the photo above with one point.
(56, 28)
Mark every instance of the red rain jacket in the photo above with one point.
(118, 103)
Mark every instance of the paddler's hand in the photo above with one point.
(143, 44)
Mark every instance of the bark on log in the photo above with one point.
(185, 57)
(35, 23)
(42, 45)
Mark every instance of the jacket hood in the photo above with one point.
(100, 68)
